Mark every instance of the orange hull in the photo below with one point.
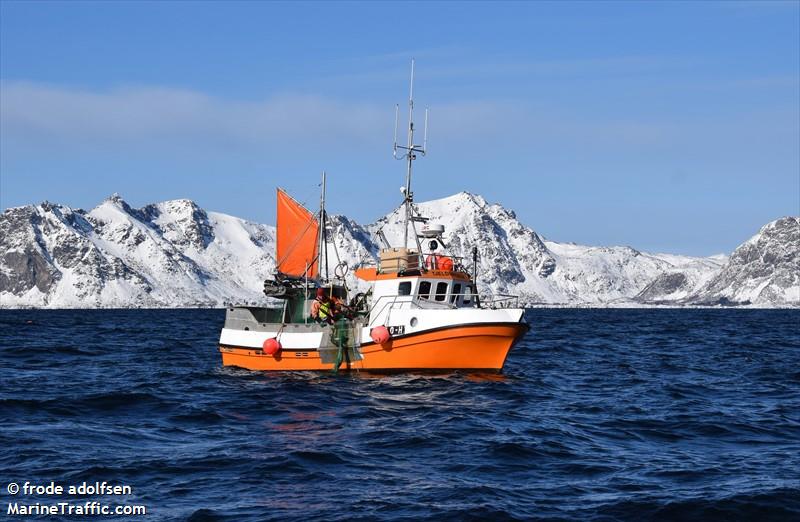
(473, 347)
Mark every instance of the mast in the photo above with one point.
(410, 156)
(409, 197)
(323, 234)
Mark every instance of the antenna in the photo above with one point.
(409, 155)
(396, 116)
(411, 89)
(425, 134)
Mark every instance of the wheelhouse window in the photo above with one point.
(424, 290)
(468, 294)
(456, 291)
(441, 291)
(404, 288)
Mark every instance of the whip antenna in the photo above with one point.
(410, 154)
(396, 116)
(425, 134)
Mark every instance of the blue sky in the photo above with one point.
(665, 126)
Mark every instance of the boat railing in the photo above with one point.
(431, 261)
(424, 262)
(486, 300)
(384, 304)
(499, 300)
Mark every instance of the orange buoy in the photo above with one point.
(437, 262)
(271, 346)
(380, 335)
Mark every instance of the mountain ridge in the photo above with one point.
(175, 253)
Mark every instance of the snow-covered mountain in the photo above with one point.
(765, 269)
(516, 260)
(166, 254)
(680, 282)
(176, 254)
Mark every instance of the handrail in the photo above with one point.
(492, 301)
(504, 300)
(385, 305)
(419, 264)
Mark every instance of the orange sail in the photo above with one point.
(296, 243)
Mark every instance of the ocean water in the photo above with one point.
(598, 415)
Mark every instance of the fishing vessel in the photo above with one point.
(421, 311)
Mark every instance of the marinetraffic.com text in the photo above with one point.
(71, 500)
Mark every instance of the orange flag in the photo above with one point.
(296, 243)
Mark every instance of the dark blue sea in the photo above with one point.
(598, 415)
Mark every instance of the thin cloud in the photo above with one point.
(141, 118)
(153, 113)
(36, 113)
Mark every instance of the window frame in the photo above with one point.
(440, 296)
(424, 295)
(454, 295)
(410, 286)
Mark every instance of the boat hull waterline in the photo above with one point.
(476, 347)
